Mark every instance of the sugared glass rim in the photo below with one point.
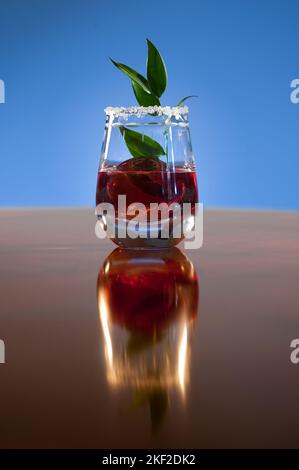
(169, 111)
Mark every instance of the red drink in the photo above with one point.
(146, 180)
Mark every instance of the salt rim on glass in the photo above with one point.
(169, 111)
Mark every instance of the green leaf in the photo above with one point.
(143, 98)
(158, 408)
(138, 342)
(133, 75)
(186, 98)
(156, 70)
(140, 145)
(158, 402)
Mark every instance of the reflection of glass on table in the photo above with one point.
(147, 307)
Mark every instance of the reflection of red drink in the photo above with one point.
(148, 293)
(148, 301)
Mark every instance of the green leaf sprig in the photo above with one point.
(148, 91)
(141, 145)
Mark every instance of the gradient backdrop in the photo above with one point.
(239, 56)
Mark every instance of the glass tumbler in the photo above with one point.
(146, 192)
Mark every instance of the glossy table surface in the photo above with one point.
(225, 377)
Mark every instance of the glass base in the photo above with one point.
(146, 243)
(147, 236)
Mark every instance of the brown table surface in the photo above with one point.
(243, 388)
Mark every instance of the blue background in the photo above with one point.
(238, 56)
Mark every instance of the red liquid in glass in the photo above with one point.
(146, 180)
